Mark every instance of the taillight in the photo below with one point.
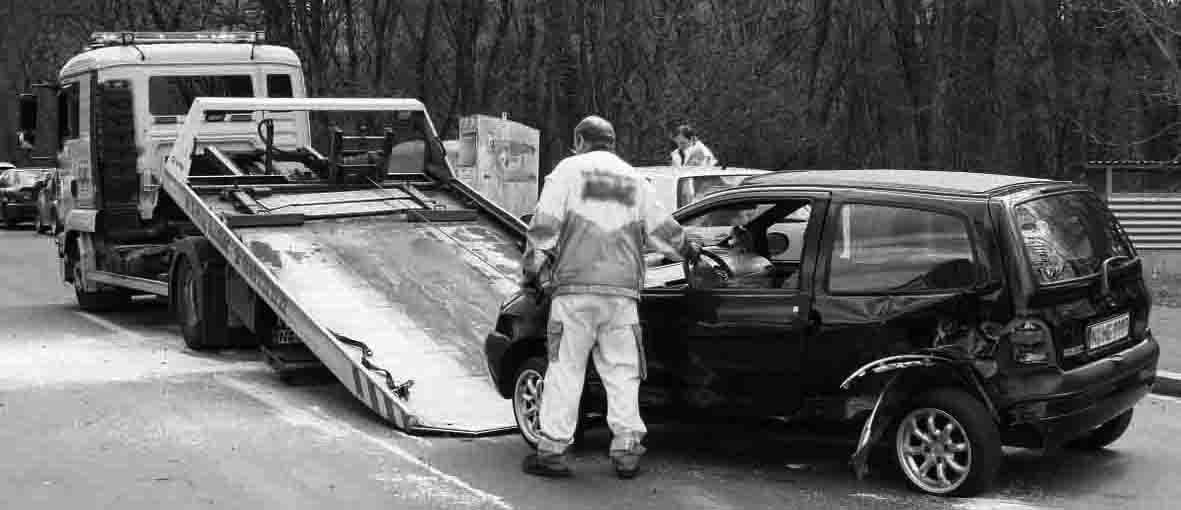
(1139, 324)
(1032, 343)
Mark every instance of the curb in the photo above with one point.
(1167, 383)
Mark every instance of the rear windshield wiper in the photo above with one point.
(1105, 267)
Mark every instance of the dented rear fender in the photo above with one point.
(909, 375)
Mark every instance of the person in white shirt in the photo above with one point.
(690, 151)
(585, 248)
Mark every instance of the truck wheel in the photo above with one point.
(99, 301)
(527, 387)
(200, 305)
(947, 444)
(1106, 434)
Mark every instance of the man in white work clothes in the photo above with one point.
(586, 245)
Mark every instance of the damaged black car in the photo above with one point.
(947, 313)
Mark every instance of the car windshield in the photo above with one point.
(1069, 236)
(692, 189)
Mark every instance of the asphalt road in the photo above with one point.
(112, 411)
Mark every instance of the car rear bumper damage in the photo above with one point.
(1084, 398)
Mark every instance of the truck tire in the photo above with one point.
(98, 301)
(199, 302)
(947, 444)
(1105, 434)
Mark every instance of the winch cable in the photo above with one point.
(402, 389)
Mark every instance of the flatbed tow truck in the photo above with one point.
(373, 261)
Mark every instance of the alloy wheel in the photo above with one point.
(527, 403)
(933, 450)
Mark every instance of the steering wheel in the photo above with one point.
(722, 270)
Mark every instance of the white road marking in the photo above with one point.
(1166, 398)
(336, 428)
(995, 504)
(108, 325)
(872, 496)
(1168, 374)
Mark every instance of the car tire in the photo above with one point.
(526, 396)
(947, 444)
(1104, 435)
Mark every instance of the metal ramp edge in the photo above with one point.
(344, 361)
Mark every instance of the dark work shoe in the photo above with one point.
(551, 466)
(627, 465)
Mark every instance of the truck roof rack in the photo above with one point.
(104, 39)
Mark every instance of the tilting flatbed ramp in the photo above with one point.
(415, 271)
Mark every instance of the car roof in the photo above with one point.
(947, 182)
(697, 171)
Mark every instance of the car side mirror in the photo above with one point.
(526, 218)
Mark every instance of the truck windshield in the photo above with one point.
(173, 95)
(1069, 236)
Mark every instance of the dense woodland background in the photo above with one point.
(1022, 86)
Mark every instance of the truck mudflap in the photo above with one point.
(896, 390)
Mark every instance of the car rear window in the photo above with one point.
(1069, 235)
(887, 249)
(173, 95)
(692, 189)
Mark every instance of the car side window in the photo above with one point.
(761, 242)
(881, 248)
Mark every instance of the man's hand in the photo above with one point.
(692, 252)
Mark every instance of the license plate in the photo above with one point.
(1107, 332)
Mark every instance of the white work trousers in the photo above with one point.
(606, 327)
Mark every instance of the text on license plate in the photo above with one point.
(1107, 332)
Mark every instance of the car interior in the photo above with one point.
(747, 245)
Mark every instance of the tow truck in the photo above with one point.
(265, 221)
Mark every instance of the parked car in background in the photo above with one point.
(18, 201)
(677, 187)
(48, 189)
(943, 314)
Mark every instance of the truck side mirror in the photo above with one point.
(27, 123)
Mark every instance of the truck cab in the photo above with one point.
(114, 115)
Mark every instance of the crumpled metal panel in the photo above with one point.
(422, 296)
